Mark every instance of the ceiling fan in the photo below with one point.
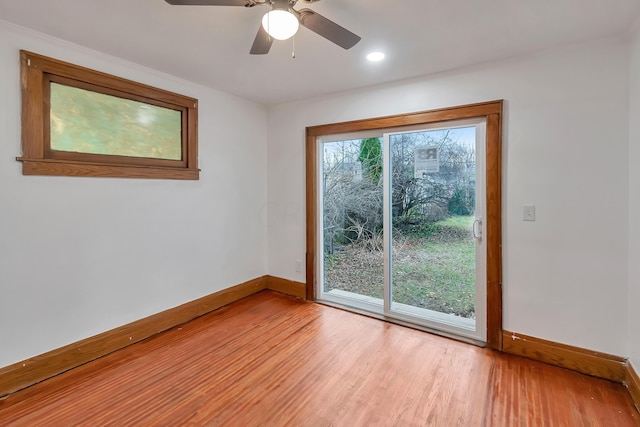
(282, 22)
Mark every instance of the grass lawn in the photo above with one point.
(436, 271)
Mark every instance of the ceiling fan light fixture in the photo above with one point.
(280, 24)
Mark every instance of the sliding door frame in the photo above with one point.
(491, 112)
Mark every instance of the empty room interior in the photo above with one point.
(399, 213)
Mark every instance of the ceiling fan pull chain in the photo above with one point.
(293, 47)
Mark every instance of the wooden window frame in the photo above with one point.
(491, 112)
(38, 72)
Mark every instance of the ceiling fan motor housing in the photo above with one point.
(283, 4)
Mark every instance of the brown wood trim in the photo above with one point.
(312, 213)
(53, 167)
(192, 136)
(31, 81)
(596, 364)
(285, 286)
(44, 64)
(492, 112)
(632, 382)
(439, 115)
(494, 229)
(106, 159)
(28, 372)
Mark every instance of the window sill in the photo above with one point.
(71, 168)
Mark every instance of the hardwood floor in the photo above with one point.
(273, 360)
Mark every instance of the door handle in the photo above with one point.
(477, 229)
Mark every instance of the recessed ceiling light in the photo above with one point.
(375, 56)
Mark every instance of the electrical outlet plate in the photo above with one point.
(528, 213)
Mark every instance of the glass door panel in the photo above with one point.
(434, 228)
(352, 221)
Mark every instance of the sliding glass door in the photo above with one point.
(402, 226)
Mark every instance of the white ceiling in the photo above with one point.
(210, 44)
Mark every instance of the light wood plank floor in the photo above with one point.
(273, 360)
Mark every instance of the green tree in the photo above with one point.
(371, 158)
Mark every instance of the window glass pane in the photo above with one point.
(352, 220)
(433, 206)
(84, 121)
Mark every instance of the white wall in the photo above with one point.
(565, 150)
(634, 201)
(79, 256)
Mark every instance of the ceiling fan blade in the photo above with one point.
(262, 43)
(209, 2)
(328, 29)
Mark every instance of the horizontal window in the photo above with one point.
(80, 122)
